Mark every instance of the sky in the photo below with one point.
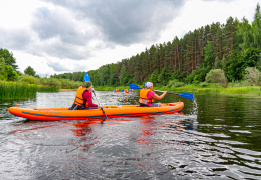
(60, 36)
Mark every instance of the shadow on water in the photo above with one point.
(214, 137)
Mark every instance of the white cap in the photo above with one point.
(148, 84)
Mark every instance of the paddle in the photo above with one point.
(87, 78)
(184, 95)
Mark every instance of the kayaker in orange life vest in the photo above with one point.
(147, 96)
(83, 98)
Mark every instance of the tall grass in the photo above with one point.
(46, 88)
(14, 90)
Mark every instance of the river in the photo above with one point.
(213, 137)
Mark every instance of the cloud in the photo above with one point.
(56, 23)
(62, 35)
(126, 22)
(66, 65)
(14, 39)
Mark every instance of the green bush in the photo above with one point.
(203, 84)
(174, 84)
(217, 76)
(52, 82)
(27, 79)
(68, 84)
(252, 74)
(248, 82)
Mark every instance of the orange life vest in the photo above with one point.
(78, 100)
(144, 98)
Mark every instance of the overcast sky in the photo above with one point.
(57, 36)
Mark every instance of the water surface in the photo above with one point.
(213, 137)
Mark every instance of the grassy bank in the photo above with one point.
(108, 88)
(251, 90)
(209, 88)
(215, 88)
(14, 90)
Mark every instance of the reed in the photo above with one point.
(47, 88)
(14, 90)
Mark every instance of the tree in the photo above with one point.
(123, 74)
(11, 75)
(30, 71)
(217, 76)
(253, 74)
(252, 58)
(209, 57)
(164, 77)
(245, 35)
(113, 75)
(2, 68)
(256, 27)
(154, 77)
(218, 64)
(8, 58)
(233, 66)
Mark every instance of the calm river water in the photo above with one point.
(214, 137)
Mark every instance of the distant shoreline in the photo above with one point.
(66, 90)
(243, 90)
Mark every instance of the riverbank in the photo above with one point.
(209, 88)
(245, 90)
(61, 90)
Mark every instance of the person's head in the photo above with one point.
(87, 84)
(148, 85)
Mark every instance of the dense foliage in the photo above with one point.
(30, 71)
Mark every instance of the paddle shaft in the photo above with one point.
(100, 104)
(87, 78)
(167, 92)
(184, 95)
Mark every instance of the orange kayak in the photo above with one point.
(55, 114)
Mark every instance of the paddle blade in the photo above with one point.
(187, 95)
(134, 86)
(86, 77)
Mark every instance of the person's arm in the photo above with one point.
(155, 96)
(87, 97)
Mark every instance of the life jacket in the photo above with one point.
(78, 100)
(144, 98)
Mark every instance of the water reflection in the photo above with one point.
(214, 137)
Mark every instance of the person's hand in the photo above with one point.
(92, 90)
(100, 106)
(165, 92)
